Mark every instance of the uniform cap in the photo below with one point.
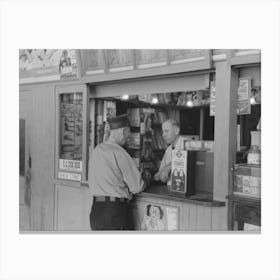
(119, 121)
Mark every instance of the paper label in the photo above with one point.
(71, 165)
(254, 158)
(172, 218)
(178, 170)
(69, 176)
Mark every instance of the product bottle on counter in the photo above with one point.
(254, 155)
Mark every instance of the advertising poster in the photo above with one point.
(71, 118)
(160, 218)
(243, 97)
(212, 98)
(178, 170)
(36, 65)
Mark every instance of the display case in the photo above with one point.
(245, 191)
(247, 180)
(71, 132)
(246, 213)
(245, 201)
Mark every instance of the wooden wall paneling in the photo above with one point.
(185, 216)
(149, 72)
(219, 218)
(71, 213)
(225, 133)
(203, 218)
(42, 154)
(192, 217)
(168, 56)
(106, 63)
(80, 68)
(255, 57)
(138, 213)
(171, 84)
(25, 96)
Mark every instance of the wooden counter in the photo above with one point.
(161, 191)
(193, 213)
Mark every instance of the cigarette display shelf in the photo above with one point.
(141, 104)
(244, 212)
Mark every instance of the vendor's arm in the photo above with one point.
(164, 173)
(165, 167)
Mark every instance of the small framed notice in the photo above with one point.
(70, 165)
(69, 176)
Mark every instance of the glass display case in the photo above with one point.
(71, 129)
(247, 180)
(245, 190)
(71, 122)
(247, 217)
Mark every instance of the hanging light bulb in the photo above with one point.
(154, 100)
(189, 103)
(125, 97)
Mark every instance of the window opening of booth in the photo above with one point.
(146, 114)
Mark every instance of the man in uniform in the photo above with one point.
(113, 179)
(171, 135)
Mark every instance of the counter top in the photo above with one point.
(161, 191)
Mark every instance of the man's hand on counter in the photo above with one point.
(163, 175)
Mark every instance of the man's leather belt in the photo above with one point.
(110, 198)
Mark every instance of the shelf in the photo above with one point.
(244, 199)
(133, 149)
(179, 107)
(142, 104)
(248, 165)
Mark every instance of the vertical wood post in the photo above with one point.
(225, 134)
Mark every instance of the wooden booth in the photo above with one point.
(66, 97)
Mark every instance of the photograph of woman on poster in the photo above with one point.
(153, 220)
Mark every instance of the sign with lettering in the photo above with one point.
(71, 165)
(243, 97)
(69, 176)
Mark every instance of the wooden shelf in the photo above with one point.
(142, 104)
(244, 199)
(161, 191)
(179, 107)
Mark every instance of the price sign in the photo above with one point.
(69, 176)
(71, 165)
